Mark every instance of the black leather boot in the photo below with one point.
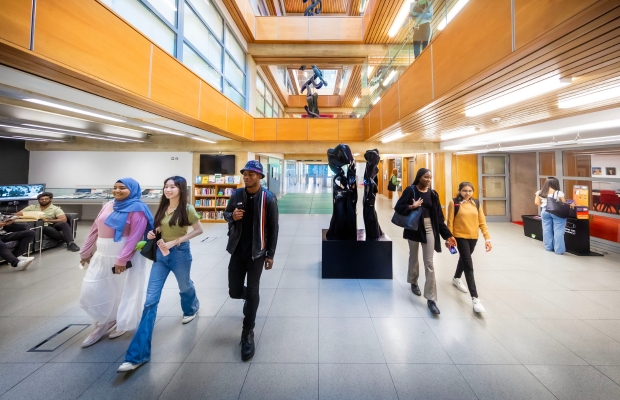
(416, 289)
(247, 344)
(433, 307)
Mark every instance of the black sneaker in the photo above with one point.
(73, 247)
(247, 344)
(416, 289)
(433, 307)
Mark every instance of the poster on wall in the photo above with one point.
(610, 170)
(580, 195)
(597, 171)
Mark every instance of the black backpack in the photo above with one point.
(457, 205)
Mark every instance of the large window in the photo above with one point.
(195, 32)
(266, 105)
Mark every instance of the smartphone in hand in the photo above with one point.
(127, 266)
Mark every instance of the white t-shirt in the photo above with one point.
(543, 200)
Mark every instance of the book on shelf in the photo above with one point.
(230, 180)
(205, 180)
(198, 179)
(211, 179)
(213, 215)
(237, 179)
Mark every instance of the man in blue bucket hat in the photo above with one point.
(252, 215)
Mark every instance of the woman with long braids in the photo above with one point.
(172, 220)
(430, 227)
(465, 217)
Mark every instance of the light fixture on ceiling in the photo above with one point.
(75, 110)
(536, 89)
(587, 99)
(389, 78)
(202, 139)
(375, 101)
(78, 133)
(451, 14)
(402, 15)
(356, 101)
(33, 139)
(356, 154)
(392, 137)
(371, 68)
(55, 129)
(461, 132)
(578, 141)
(162, 130)
(363, 5)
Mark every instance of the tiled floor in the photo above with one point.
(552, 328)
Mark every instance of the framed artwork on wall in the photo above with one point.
(610, 170)
(597, 171)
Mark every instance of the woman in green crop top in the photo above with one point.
(172, 220)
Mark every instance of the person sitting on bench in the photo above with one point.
(55, 220)
(14, 254)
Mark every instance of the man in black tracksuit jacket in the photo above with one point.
(252, 215)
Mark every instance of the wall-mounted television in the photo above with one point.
(216, 164)
(21, 192)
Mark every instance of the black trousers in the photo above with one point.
(466, 248)
(241, 265)
(23, 238)
(59, 231)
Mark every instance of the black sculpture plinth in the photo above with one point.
(357, 259)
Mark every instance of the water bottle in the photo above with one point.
(453, 250)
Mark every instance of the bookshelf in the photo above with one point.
(210, 200)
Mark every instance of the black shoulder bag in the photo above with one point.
(557, 208)
(410, 220)
(149, 250)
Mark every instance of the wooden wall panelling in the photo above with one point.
(439, 176)
(323, 101)
(265, 129)
(86, 36)
(174, 92)
(416, 86)
(324, 28)
(234, 119)
(323, 129)
(213, 106)
(534, 18)
(350, 130)
(366, 127)
(475, 46)
(390, 113)
(292, 129)
(374, 119)
(266, 29)
(352, 29)
(15, 21)
(248, 126)
(464, 169)
(292, 28)
(329, 6)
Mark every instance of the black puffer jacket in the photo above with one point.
(437, 219)
(265, 235)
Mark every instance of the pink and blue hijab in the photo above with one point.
(122, 208)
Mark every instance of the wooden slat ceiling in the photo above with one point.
(329, 6)
(354, 8)
(382, 19)
(354, 88)
(589, 54)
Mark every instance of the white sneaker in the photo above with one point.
(459, 285)
(188, 318)
(24, 262)
(97, 333)
(126, 367)
(477, 305)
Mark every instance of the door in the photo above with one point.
(494, 188)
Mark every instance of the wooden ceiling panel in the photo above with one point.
(329, 6)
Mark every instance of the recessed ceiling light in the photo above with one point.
(55, 129)
(163, 130)
(590, 98)
(392, 137)
(376, 100)
(402, 15)
(75, 110)
(387, 80)
(457, 133)
(356, 102)
(451, 14)
(202, 140)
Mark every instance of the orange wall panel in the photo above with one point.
(292, 129)
(352, 29)
(15, 19)
(390, 113)
(366, 121)
(292, 28)
(533, 18)
(416, 87)
(212, 106)
(266, 28)
(248, 126)
(323, 101)
(374, 120)
(323, 129)
(265, 129)
(466, 48)
(324, 28)
(464, 169)
(351, 130)
(234, 119)
(174, 85)
(86, 36)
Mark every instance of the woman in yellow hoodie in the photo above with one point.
(465, 217)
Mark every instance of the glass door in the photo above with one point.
(494, 189)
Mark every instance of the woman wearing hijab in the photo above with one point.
(431, 225)
(113, 289)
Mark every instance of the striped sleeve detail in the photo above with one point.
(263, 214)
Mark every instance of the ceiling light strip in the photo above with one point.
(75, 110)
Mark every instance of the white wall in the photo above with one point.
(604, 161)
(101, 169)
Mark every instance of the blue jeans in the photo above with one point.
(553, 232)
(179, 261)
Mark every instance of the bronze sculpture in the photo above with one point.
(316, 81)
(315, 8)
(371, 222)
(343, 225)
